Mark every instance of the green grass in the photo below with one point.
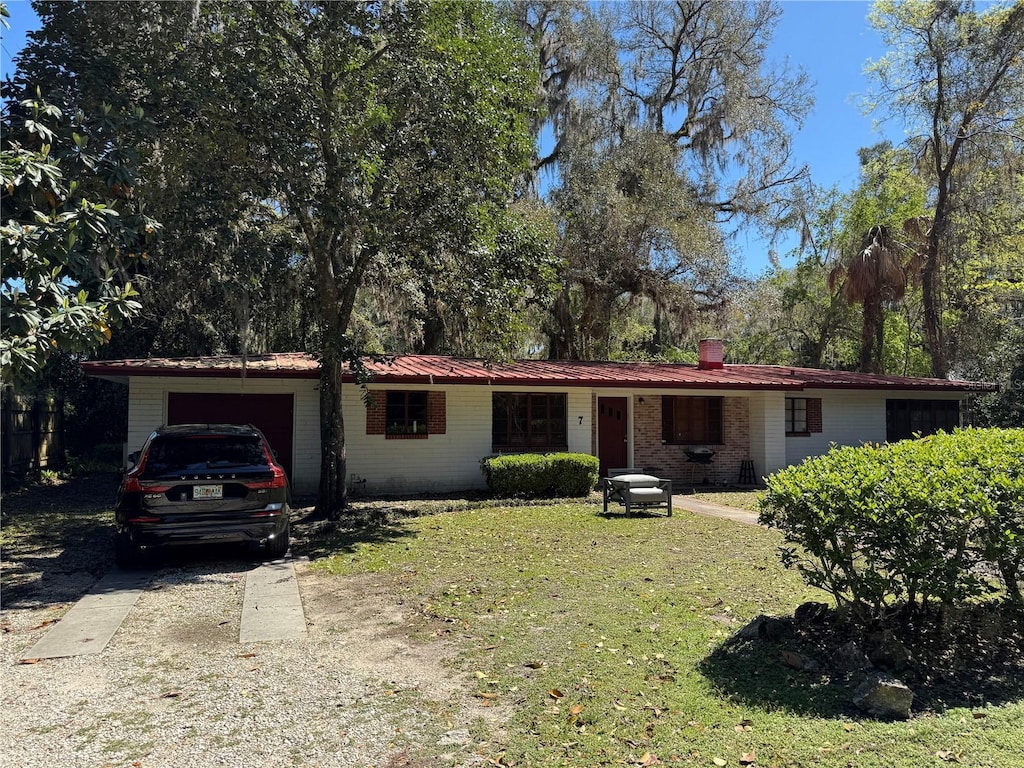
(605, 641)
(739, 499)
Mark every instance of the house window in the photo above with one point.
(803, 415)
(691, 420)
(405, 413)
(917, 418)
(528, 422)
(796, 416)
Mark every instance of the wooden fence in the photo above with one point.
(33, 433)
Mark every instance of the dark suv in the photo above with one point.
(202, 483)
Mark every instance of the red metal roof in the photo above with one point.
(275, 365)
(439, 369)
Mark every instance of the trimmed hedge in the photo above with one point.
(938, 518)
(535, 475)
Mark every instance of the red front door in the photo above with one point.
(612, 433)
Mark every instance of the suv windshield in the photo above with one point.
(170, 455)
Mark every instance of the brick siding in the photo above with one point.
(437, 413)
(814, 414)
(376, 413)
(437, 416)
(670, 461)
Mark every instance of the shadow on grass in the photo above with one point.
(620, 514)
(57, 539)
(752, 673)
(383, 519)
(317, 539)
(963, 657)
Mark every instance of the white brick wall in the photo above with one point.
(767, 431)
(849, 417)
(451, 461)
(445, 462)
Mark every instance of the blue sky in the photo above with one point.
(831, 39)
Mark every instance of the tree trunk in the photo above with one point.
(433, 341)
(933, 315)
(333, 495)
(872, 326)
(560, 345)
(930, 283)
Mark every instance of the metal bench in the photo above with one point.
(633, 489)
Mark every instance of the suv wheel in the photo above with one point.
(277, 547)
(127, 554)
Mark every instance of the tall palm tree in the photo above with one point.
(874, 276)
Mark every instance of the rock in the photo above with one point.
(886, 650)
(799, 662)
(850, 658)
(884, 697)
(811, 613)
(766, 628)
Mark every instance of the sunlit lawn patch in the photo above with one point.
(603, 637)
(739, 499)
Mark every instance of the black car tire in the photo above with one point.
(277, 547)
(127, 553)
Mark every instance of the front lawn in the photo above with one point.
(739, 499)
(604, 641)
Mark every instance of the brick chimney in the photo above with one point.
(711, 354)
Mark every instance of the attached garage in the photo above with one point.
(271, 414)
(277, 393)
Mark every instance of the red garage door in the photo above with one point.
(272, 414)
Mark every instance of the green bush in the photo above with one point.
(573, 474)
(913, 521)
(532, 475)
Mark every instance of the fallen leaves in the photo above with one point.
(748, 758)
(648, 759)
(45, 623)
(556, 694)
(28, 661)
(487, 698)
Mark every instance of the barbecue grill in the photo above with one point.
(701, 457)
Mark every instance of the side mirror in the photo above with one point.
(133, 459)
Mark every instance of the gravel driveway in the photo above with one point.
(174, 687)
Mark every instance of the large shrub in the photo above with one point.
(913, 521)
(532, 475)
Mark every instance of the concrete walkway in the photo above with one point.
(710, 509)
(271, 610)
(271, 606)
(93, 620)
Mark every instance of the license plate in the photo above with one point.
(207, 491)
